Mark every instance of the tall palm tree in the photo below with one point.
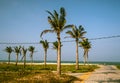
(55, 47)
(45, 45)
(24, 51)
(9, 50)
(77, 33)
(57, 22)
(86, 45)
(31, 50)
(17, 50)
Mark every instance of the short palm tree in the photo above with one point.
(55, 47)
(31, 50)
(45, 45)
(77, 33)
(86, 45)
(24, 51)
(17, 50)
(57, 22)
(9, 50)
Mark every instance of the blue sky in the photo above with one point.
(24, 20)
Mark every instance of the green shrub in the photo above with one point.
(118, 66)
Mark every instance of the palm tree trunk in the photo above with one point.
(9, 58)
(45, 55)
(87, 57)
(24, 61)
(59, 56)
(16, 59)
(84, 57)
(31, 58)
(77, 56)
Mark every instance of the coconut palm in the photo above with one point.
(24, 51)
(57, 22)
(45, 45)
(17, 50)
(9, 50)
(86, 45)
(31, 50)
(55, 47)
(77, 33)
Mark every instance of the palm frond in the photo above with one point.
(9, 49)
(85, 44)
(70, 33)
(45, 44)
(67, 27)
(46, 31)
(62, 11)
(51, 14)
(53, 19)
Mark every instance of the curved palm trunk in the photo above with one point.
(9, 58)
(45, 57)
(77, 56)
(16, 59)
(59, 56)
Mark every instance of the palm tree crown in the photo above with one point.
(9, 50)
(24, 51)
(17, 50)
(57, 22)
(31, 49)
(45, 44)
(55, 45)
(86, 45)
(77, 33)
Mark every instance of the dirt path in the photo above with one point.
(105, 74)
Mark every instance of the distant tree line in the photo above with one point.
(19, 50)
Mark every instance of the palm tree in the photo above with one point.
(77, 33)
(31, 50)
(86, 45)
(55, 47)
(17, 50)
(57, 22)
(9, 51)
(24, 51)
(45, 45)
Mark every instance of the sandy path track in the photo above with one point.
(105, 74)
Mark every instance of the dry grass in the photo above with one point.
(38, 73)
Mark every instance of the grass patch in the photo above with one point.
(82, 68)
(118, 66)
(39, 73)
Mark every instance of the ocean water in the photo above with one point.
(72, 62)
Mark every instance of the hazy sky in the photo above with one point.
(24, 20)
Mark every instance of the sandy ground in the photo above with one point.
(105, 74)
